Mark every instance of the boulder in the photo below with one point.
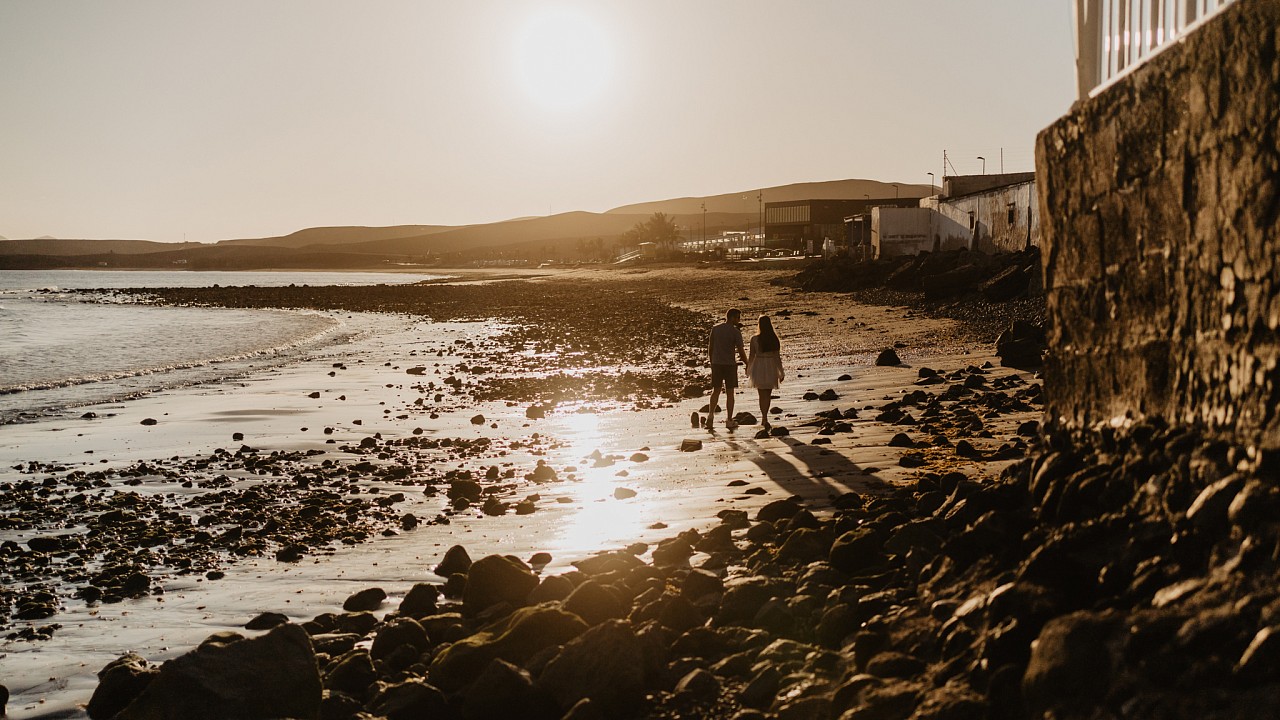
(856, 550)
(594, 603)
(467, 489)
(366, 600)
(1007, 284)
(1022, 345)
(542, 472)
(420, 601)
(122, 680)
(698, 685)
(700, 583)
(409, 700)
(494, 579)
(266, 621)
(555, 587)
(352, 674)
(1071, 664)
(1209, 511)
(515, 639)
(1260, 659)
(456, 560)
(777, 510)
(963, 279)
(271, 676)
(505, 691)
(888, 358)
(605, 664)
(45, 544)
(397, 633)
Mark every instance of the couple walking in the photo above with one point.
(764, 365)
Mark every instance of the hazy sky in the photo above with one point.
(169, 118)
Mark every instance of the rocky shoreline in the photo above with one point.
(766, 617)
(802, 604)
(1135, 579)
(562, 343)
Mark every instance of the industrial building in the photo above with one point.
(804, 224)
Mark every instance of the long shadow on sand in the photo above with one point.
(811, 472)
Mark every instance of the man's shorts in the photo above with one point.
(726, 373)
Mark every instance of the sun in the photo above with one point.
(563, 59)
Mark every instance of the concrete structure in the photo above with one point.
(1161, 197)
(998, 213)
(908, 231)
(796, 223)
(995, 213)
(958, 185)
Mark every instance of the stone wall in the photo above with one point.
(1159, 201)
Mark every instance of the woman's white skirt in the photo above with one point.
(765, 371)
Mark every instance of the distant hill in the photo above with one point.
(745, 200)
(355, 246)
(53, 246)
(340, 235)
(570, 226)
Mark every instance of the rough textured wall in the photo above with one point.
(992, 230)
(1159, 204)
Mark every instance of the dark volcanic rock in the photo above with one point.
(456, 560)
(1071, 664)
(516, 639)
(605, 664)
(266, 621)
(366, 600)
(497, 578)
(119, 683)
(594, 603)
(409, 700)
(420, 601)
(271, 676)
(504, 691)
(397, 633)
(1022, 345)
(352, 674)
(856, 550)
(888, 358)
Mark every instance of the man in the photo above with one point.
(726, 338)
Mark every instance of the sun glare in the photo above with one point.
(562, 59)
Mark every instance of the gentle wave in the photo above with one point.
(138, 372)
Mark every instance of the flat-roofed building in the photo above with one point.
(804, 224)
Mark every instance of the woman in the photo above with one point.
(764, 366)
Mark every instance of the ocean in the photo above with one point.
(61, 349)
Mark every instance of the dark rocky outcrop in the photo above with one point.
(271, 676)
(497, 578)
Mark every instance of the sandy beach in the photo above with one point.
(577, 371)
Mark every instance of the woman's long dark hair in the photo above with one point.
(768, 338)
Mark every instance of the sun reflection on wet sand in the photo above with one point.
(601, 520)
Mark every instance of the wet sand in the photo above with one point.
(591, 444)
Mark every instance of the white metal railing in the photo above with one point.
(1115, 36)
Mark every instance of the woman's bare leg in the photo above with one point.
(765, 397)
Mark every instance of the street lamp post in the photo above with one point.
(895, 190)
(704, 223)
(930, 182)
(984, 164)
(760, 214)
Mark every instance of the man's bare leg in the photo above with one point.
(711, 409)
(728, 408)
